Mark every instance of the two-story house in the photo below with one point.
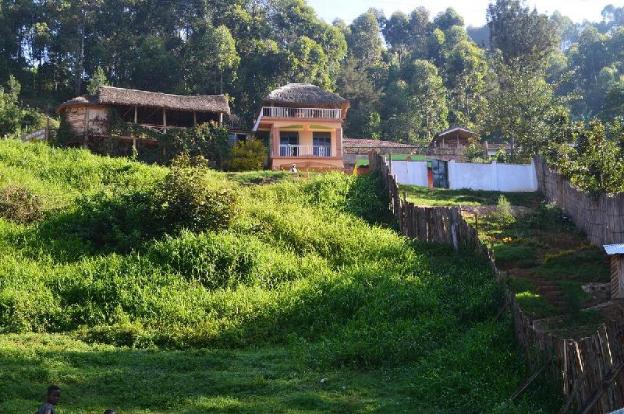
(304, 124)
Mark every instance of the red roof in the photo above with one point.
(372, 143)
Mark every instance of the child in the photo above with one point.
(52, 398)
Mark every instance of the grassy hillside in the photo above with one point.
(299, 286)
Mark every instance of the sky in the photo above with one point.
(473, 11)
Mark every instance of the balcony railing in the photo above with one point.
(305, 151)
(310, 113)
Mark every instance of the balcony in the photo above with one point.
(306, 151)
(306, 113)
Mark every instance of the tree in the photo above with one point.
(522, 110)
(521, 34)
(225, 55)
(466, 73)
(416, 107)
(98, 79)
(308, 63)
(396, 33)
(11, 114)
(364, 41)
(444, 21)
(356, 85)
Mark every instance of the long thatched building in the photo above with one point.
(90, 115)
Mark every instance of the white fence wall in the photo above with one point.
(410, 172)
(487, 177)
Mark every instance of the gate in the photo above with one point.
(439, 170)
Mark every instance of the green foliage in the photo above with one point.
(194, 199)
(475, 152)
(594, 164)
(98, 79)
(209, 140)
(587, 265)
(14, 118)
(19, 204)
(247, 156)
(297, 268)
(504, 212)
(523, 109)
(521, 34)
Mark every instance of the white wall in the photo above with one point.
(410, 172)
(487, 177)
(493, 177)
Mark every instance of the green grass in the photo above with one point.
(540, 243)
(424, 196)
(308, 282)
(515, 255)
(583, 265)
(258, 380)
(535, 305)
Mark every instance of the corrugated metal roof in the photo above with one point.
(613, 249)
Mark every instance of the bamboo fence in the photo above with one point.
(600, 217)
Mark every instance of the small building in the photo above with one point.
(303, 124)
(90, 115)
(356, 150)
(616, 255)
(456, 137)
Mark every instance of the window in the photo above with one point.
(289, 144)
(322, 144)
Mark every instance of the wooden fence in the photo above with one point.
(590, 370)
(601, 217)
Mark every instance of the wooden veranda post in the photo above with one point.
(136, 115)
(165, 120)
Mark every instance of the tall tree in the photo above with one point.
(416, 107)
(522, 108)
(521, 34)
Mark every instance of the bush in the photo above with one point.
(19, 204)
(214, 260)
(189, 199)
(209, 140)
(247, 156)
(504, 213)
(114, 221)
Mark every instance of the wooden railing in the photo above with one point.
(310, 113)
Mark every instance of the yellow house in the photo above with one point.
(304, 124)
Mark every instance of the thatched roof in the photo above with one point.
(305, 95)
(78, 101)
(108, 95)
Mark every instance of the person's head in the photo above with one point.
(54, 394)
(109, 411)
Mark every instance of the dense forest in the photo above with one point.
(408, 76)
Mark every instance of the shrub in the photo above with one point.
(214, 260)
(19, 204)
(112, 221)
(189, 199)
(209, 140)
(504, 213)
(475, 152)
(247, 156)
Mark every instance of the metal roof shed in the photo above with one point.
(616, 254)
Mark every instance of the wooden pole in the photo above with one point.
(220, 118)
(136, 115)
(194, 118)
(165, 120)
